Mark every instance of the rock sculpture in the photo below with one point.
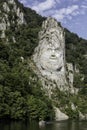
(49, 55)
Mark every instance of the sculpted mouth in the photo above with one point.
(53, 57)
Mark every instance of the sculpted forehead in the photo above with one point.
(51, 32)
(51, 42)
(51, 38)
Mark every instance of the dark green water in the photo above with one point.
(66, 125)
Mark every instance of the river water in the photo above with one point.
(65, 125)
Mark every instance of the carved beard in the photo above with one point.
(50, 61)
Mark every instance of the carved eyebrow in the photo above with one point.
(49, 48)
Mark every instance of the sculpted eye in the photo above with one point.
(57, 49)
(49, 49)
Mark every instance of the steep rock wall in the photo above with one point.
(11, 15)
(49, 57)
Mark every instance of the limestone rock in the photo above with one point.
(10, 7)
(11, 1)
(51, 66)
(70, 78)
(59, 116)
(70, 73)
(73, 107)
(85, 116)
(81, 116)
(6, 7)
(3, 28)
(20, 15)
(49, 56)
(42, 123)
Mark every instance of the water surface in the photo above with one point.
(65, 125)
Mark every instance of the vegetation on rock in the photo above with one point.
(21, 96)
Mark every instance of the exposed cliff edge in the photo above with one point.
(49, 57)
(50, 54)
(57, 76)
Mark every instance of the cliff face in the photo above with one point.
(19, 75)
(50, 54)
(49, 57)
(56, 74)
(10, 16)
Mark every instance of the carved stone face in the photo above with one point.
(51, 55)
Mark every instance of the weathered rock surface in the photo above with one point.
(70, 78)
(59, 116)
(49, 57)
(42, 123)
(7, 19)
(81, 116)
(51, 67)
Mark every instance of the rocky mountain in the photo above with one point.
(43, 67)
(52, 68)
(11, 15)
(49, 57)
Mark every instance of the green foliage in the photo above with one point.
(69, 103)
(76, 53)
(21, 94)
(38, 109)
(78, 82)
(73, 114)
(18, 81)
(18, 86)
(75, 47)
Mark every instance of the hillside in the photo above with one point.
(21, 94)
